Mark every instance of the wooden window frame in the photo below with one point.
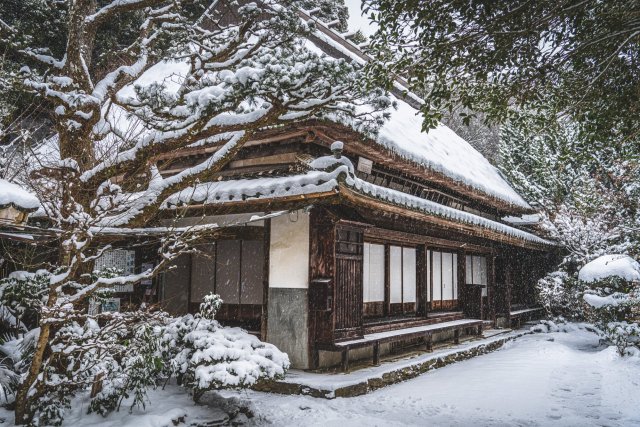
(385, 310)
(442, 307)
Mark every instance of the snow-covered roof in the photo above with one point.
(440, 150)
(527, 219)
(339, 179)
(606, 266)
(12, 194)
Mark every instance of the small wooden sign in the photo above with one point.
(365, 165)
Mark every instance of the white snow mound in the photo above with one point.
(13, 194)
(622, 266)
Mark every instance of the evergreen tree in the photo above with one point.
(578, 59)
(243, 67)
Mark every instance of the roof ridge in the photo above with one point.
(401, 85)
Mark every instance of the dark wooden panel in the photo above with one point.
(373, 309)
(321, 272)
(421, 281)
(348, 293)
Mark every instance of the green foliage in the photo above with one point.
(552, 57)
(561, 296)
(210, 305)
(23, 294)
(589, 192)
(330, 10)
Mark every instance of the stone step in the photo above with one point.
(332, 385)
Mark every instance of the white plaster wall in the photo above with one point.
(289, 251)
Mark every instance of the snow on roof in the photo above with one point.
(427, 206)
(440, 150)
(12, 194)
(316, 181)
(622, 266)
(527, 219)
(219, 192)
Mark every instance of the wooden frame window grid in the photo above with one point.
(476, 272)
(442, 279)
(389, 280)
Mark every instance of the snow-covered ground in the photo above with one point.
(559, 379)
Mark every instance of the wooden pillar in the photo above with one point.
(422, 280)
(463, 292)
(264, 319)
(376, 353)
(345, 360)
(491, 289)
(387, 280)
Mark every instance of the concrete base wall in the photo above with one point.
(287, 325)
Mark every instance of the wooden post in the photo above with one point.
(387, 280)
(376, 353)
(491, 289)
(463, 294)
(456, 336)
(422, 281)
(315, 357)
(428, 342)
(345, 360)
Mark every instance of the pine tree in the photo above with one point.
(237, 76)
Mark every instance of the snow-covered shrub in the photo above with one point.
(115, 355)
(561, 295)
(210, 305)
(613, 305)
(23, 294)
(206, 356)
(560, 324)
(121, 355)
(624, 335)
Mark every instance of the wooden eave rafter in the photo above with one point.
(325, 133)
(263, 205)
(350, 196)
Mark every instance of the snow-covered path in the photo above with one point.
(560, 379)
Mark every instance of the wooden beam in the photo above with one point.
(350, 196)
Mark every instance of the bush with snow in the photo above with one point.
(608, 266)
(561, 295)
(210, 305)
(612, 299)
(22, 294)
(118, 356)
(206, 356)
(605, 293)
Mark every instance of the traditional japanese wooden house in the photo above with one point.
(336, 250)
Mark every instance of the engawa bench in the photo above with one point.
(517, 316)
(426, 332)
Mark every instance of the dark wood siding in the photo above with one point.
(348, 284)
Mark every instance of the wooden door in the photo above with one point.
(348, 281)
